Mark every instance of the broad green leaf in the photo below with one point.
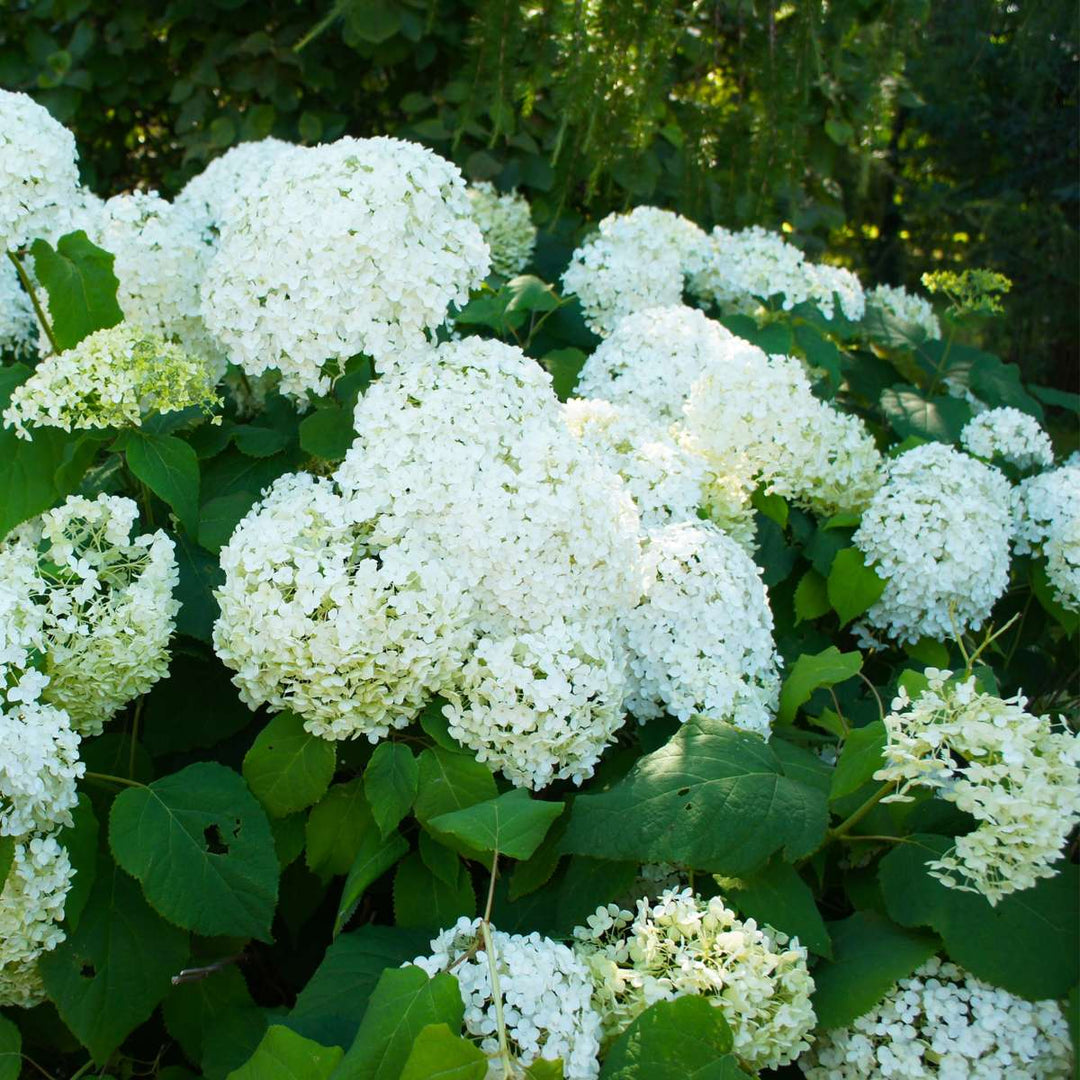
(376, 855)
(192, 1009)
(287, 768)
(11, 1050)
(870, 954)
(714, 798)
(774, 507)
(202, 848)
(543, 1069)
(443, 862)
(422, 899)
(449, 781)
(170, 469)
(528, 293)
(218, 518)
(289, 837)
(514, 823)
(437, 727)
(111, 972)
(911, 412)
(336, 828)
(589, 884)
(1041, 925)
(200, 575)
(530, 875)
(81, 287)
(230, 1040)
(684, 1039)
(391, 781)
(284, 1055)
(777, 895)
(404, 1002)
(257, 441)
(81, 842)
(564, 366)
(810, 672)
(853, 586)
(7, 857)
(860, 758)
(439, 1054)
(811, 597)
(327, 433)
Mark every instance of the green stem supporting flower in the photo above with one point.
(28, 285)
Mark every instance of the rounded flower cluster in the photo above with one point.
(546, 996)
(1011, 771)
(113, 378)
(1046, 519)
(18, 323)
(906, 307)
(938, 531)
(357, 246)
(701, 639)
(634, 261)
(944, 1023)
(38, 174)
(681, 945)
(1011, 435)
(506, 225)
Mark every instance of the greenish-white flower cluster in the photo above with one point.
(1046, 522)
(507, 227)
(1010, 435)
(905, 307)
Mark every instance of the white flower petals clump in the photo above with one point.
(351, 635)
(1016, 775)
(634, 261)
(681, 945)
(938, 531)
(38, 173)
(357, 246)
(112, 378)
(1009, 434)
(701, 639)
(944, 1023)
(506, 224)
(1046, 518)
(31, 910)
(546, 996)
(907, 307)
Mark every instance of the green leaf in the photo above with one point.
(840, 131)
(202, 848)
(870, 954)
(284, 1055)
(11, 1050)
(860, 758)
(529, 293)
(7, 857)
(259, 442)
(289, 836)
(439, 1054)
(853, 586)
(111, 972)
(564, 366)
(437, 727)
(588, 884)
(777, 895)
(81, 285)
(774, 507)
(287, 768)
(421, 899)
(376, 855)
(910, 412)
(809, 672)
(81, 841)
(218, 518)
(684, 1039)
(713, 798)
(811, 597)
(404, 1002)
(450, 780)
(391, 781)
(170, 469)
(514, 823)
(530, 875)
(327, 433)
(543, 1069)
(192, 1009)
(443, 862)
(336, 829)
(1041, 925)
(200, 575)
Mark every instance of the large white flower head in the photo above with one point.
(358, 246)
(938, 531)
(106, 604)
(18, 323)
(943, 1023)
(1016, 775)
(38, 172)
(546, 996)
(506, 224)
(31, 910)
(113, 378)
(351, 635)
(682, 944)
(1009, 434)
(1046, 518)
(701, 639)
(634, 261)
(907, 307)
(757, 418)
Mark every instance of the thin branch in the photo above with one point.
(28, 285)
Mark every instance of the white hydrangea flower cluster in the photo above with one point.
(315, 617)
(682, 944)
(758, 419)
(506, 224)
(665, 480)
(938, 531)
(360, 245)
(1016, 775)
(38, 172)
(546, 996)
(31, 910)
(701, 639)
(112, 378)
(740, 269)
(942, 1022)
(634, 261)
(18, 323)
(907, 307)
(1046, 519)
(1009, 434)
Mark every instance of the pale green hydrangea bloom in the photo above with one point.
(506, 225)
